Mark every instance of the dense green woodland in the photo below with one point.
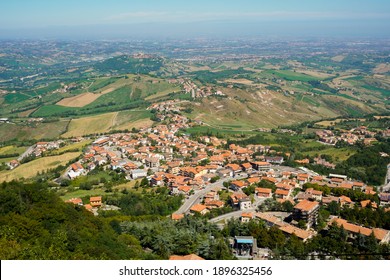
(157, 202)
(129, 65)
(36, 224)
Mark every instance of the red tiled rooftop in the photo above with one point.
(306, 205)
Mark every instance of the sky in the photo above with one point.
(170, 18)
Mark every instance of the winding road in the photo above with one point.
(198, 196)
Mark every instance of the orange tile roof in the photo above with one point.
(253, 180)
(365, 203)
(345, 185)
(300, 233)
(239, 184)
(237, 196)
(313, 191)
(318, 178)
(177, 216)
(74, 201)
(216, 158)
(270, 179)
(268, 217)
(216, 203)
(95, 198)
(283, 186)
(282, 192)
(345, 199)
(351, 227)
(302, 161)
(337, 180)
(247, 215)
(380, 233)
(191, 257)
(306, 205)
(198, 208)
(263, 190)
(185, 189)
(234, 167)
(76, 166)
(88, 207)
(262, 163)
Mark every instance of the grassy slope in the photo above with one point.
(106, 122)
(130, 119)
(31, 168)
(90, 125)
(39, 131)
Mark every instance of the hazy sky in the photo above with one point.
(118, 18)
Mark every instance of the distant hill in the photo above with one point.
(130, 65)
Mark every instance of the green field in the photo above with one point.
(382, 91)
(206, 130)
(101, 83)
(129, 119)
(293, 76)
(90, 125)
(36, 131)
(6, 160)
(11, 150)
(52, 110)
(337, 155)
(12, 98)
(83, 193)
(71, 147)
(119, 96)
(131, 116)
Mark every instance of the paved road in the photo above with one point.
(237, 214)
(26, 153)
(386, 186)
(197, 197)
(228, 216)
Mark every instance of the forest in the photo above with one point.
(36, 224)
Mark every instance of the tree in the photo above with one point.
(334, 208)
(215, 179)
(144, 182)
(288, 206)
(220, 250)
(302, 224)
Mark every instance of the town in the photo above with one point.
(211, 175)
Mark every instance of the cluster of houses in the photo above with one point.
(41, 147)
(166, 106)
(185, 166)
(196, 92)
(172, 160)
(351, 137)
(95, 202)
(306, 203)
(66, 88)
(316, 161)
(37, 151)
(169, 110)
